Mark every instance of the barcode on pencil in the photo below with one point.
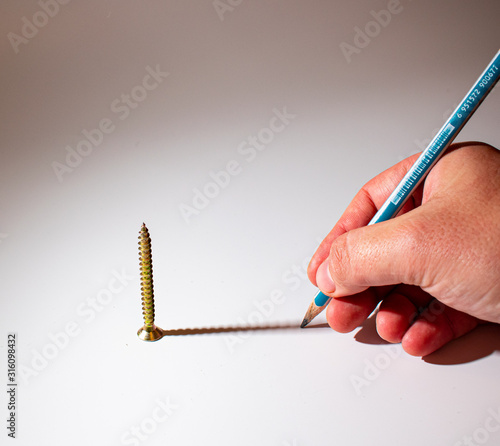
(417, 169)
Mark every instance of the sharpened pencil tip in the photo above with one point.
(313, 311)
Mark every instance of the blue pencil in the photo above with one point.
(426, 161)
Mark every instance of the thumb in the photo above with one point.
(386, 253)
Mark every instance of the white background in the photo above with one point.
(84, 376)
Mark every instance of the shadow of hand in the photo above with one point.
(479, 343)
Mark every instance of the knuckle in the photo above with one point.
(421, 251)
(340, 262)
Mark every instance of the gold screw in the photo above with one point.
(149, 332)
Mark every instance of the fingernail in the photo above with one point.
(324, 279)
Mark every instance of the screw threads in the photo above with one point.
(149, 332)
(146, 266)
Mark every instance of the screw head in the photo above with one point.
(150, 333)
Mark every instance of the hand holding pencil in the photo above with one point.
(444, 245)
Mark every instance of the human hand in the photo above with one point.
(444, 244)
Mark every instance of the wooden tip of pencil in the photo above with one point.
(311, 313)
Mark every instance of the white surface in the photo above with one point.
(63, 242)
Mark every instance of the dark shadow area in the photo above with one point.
(368, 332)
(481, 342)
(477, 344)
(215, 330)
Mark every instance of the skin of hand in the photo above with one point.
(434, 268)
